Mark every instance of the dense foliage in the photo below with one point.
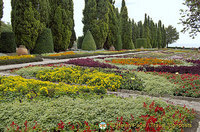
(44, 43)
(88, 42)
(7, 42)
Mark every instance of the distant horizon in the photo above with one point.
(192, 45)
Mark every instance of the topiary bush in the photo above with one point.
(7, 42)
(44, 43)
(88, 42)
(141, 42)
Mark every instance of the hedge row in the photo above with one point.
(19, 61)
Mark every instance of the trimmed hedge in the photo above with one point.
(7, 42)
(19, 61)
(44, 43)
(141, 42)
(88, 42)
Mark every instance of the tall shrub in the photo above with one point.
(44, 43)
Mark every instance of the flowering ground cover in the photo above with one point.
(141, 61)
(18, 87)
(85, 114)
(189, 84)
(15, 57)
(64, 53)
(89, 63)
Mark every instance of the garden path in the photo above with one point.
(53, 61)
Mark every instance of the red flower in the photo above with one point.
(145, 105)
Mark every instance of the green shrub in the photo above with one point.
(141, 42)
(88, 42)
(156, 85)
(30, 71)
(44, 43)
(7, 42)
(80, 41)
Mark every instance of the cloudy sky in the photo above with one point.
(165, 10)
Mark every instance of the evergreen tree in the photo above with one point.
(102, 22)
(88, 42)
(126, 30)
(1, 11)
(134, 32)
(25, 22)
(140, 29)
(164, 44)
(61, 24)
(112, 36)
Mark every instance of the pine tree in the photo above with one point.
(126, 30)
(1, 11)
(25, 22)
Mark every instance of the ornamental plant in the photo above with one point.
(153, 115)
(16, 57)
(142, 61)
(64, 53)
(78, 75)
(189, 84)
(89, 63)
(16, 87)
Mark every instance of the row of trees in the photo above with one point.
(30, 17)
(108, 26)
(111, 28)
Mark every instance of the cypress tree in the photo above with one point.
(126, 30)
(113, 29)
(1, 12)
(102, 22)
(25, 22)
(140, 29)
(89, 16)
(61, 24)
(147, 32)
(134, 32)
(164, 42)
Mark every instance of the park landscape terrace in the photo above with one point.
(119, 76)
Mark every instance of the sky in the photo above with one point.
(168, 11)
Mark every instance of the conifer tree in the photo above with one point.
(134, 32)
(126, 30)
(113, 32)
(61, 24)
(1, 11)
(25, 22)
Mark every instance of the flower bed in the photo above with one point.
(18, 87)
(67, 114)
(142, 61)
(78, 75)
(189, 85)
(89, 63)
(65, 53)
(15, 57)
(173, 69)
